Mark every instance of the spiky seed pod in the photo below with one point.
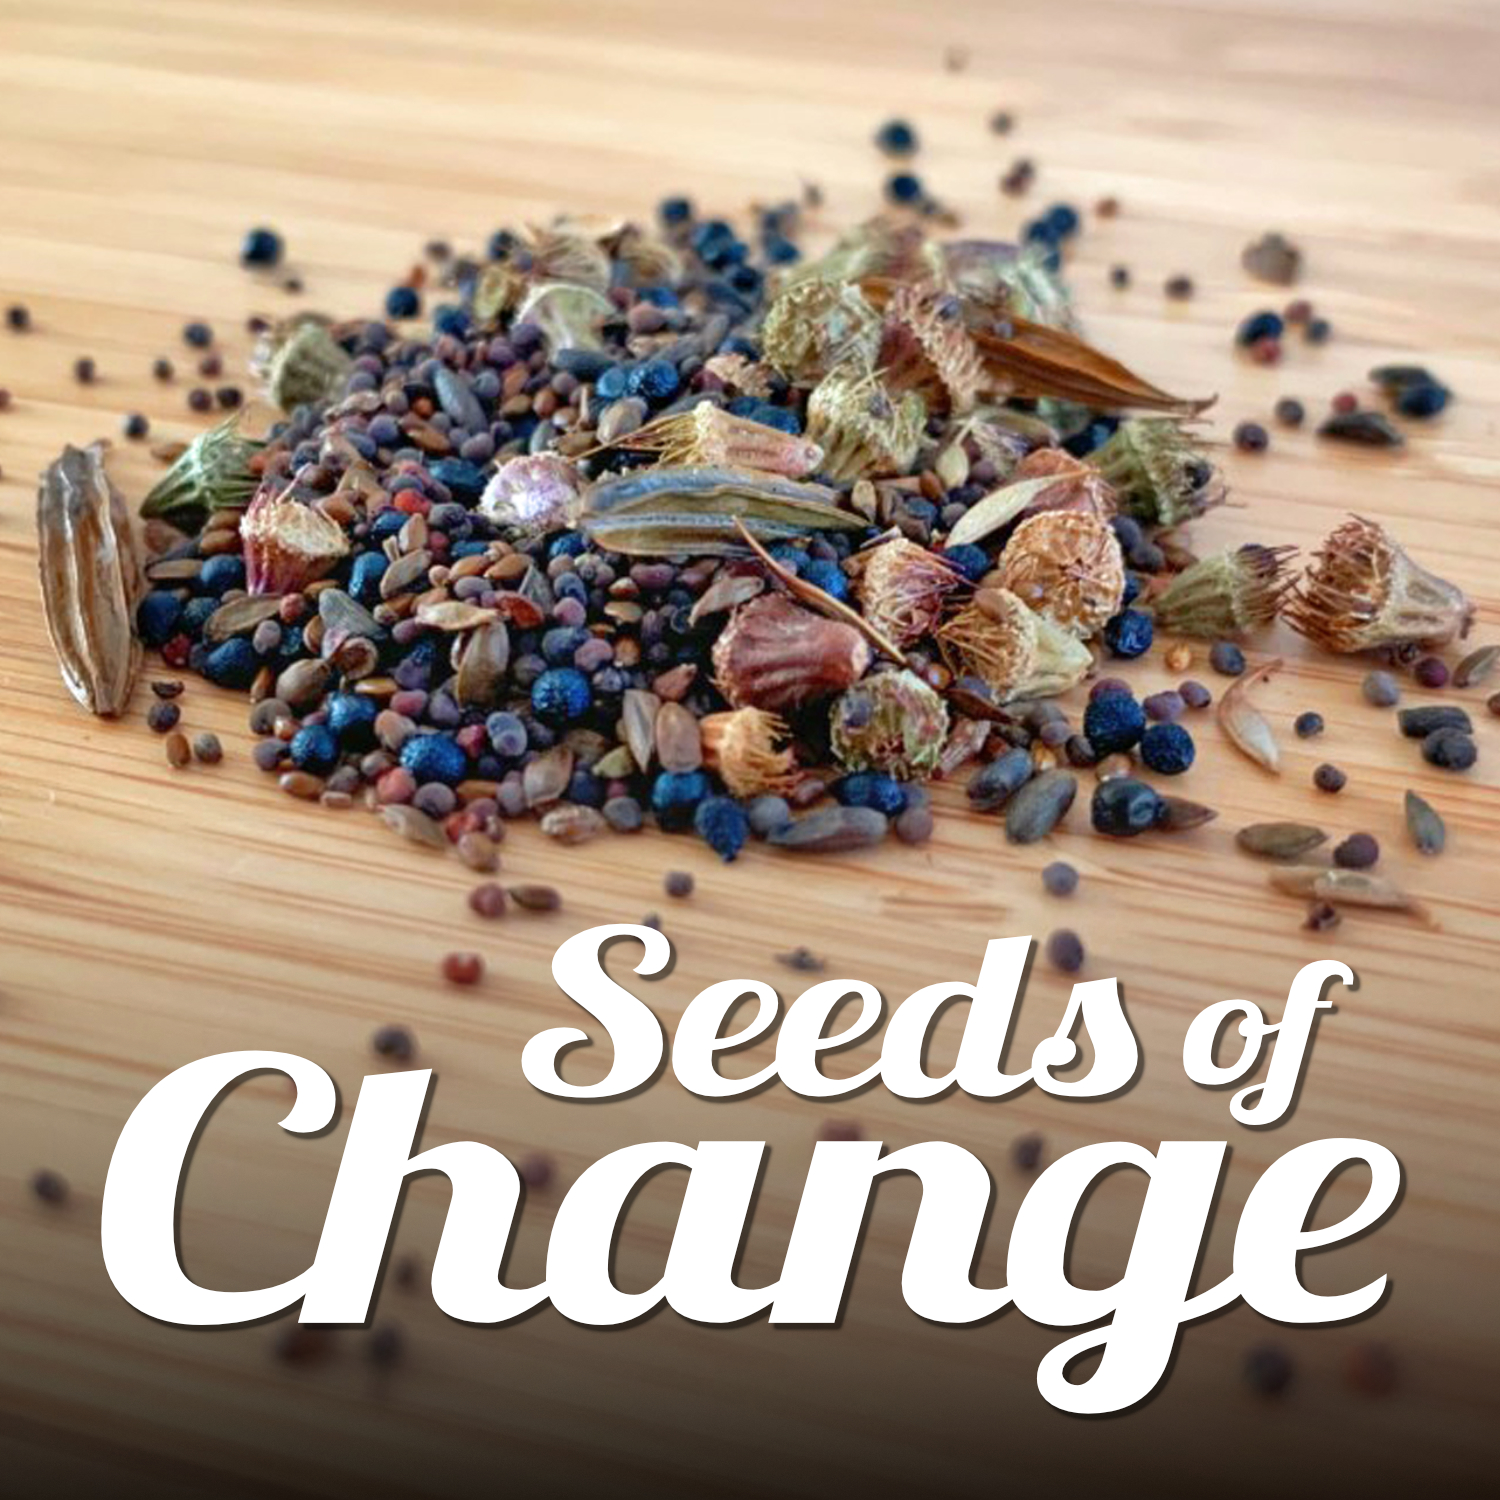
(299, 362)
(1016, 651)
(709, 436)
(743, 377)
(1230, 593)
(879, 250)
(864, 431)
(1364, 592)
(775, 655)
(212, 473)
(901, 588)
(532, 494)
(541, 255)
(814, 325)
(891, 722)
(650, 261)
(1000, 277)
(1067, 566)
(925, 347)
(1158, 474)
(1080, 487)
(741, 747)
(288, 545)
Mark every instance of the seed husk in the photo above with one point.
(1476, 667)
(638, 724)
(1246, 727)
(1039, 806)
(240, 616)
(572, 823)
(485, 655)
(1280, 840)
(535, 897)
(1418, 723)
(1425, 824)
(546, 778)
(679, 745)
(413, 824)
(1179, 814)
(831, 830)
(1342, 887)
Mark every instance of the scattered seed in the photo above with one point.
(1280, 840)
(394, 1042)
(1418, 723)
(1060, 878)
(1026, 1151)
(1372, 428)
(488, 900)
(1268, 1370)
(832, 829)
(1226, 659)
(1328, 778)
(535, 897)
(1039, 806)
(463, 968)
(162, 716)
(303, 1345)
(1342, 887)
(207, 750)
(1381, 689)
(678, 883)
(1322, 916)
(1308, 726)
(49, 1186)
(804, 960)
(1360, 851)
(1065, 950)
(179, 752)
(994, 784)
(386, 1346)
(841, 1130)
(1476, 667)
(1178, 658)
(1425, 825)
(1431, 672)
(1372, 1370)
(1247, 728)
(168, 687)
(1289, 411)
(1195, 694)
(1450, 750)
(1179, 287)
(478, 852)
(1251, 437)
(414, 825)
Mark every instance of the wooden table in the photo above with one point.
(150, 918)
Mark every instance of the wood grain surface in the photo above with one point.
(149, 918)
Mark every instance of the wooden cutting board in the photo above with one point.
(149, 918)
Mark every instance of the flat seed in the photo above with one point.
(535, 897)
(241, 616)
(831, 830)
(303, 682)
(1246, 727)
(405, 573)
(1425, 825)
(1476, 667)
(572, 824)
(478, 852)
(546, 778)
(1178, 814)
(1342, 887)
(412, 823)
(638, 724)
(679, 746)
(179, 753)
(1039, 806)
(1280, 840)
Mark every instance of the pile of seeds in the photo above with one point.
(678, 525)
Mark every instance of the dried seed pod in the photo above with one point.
(288, 544)
(901, 588)
(1363, 592)
(679, 746)
(708, 436)
(214, 472)
(890, 722)
(1342, 887)
(1280, 840)
(569, 315)
(90, 579)
(816, 323)
(775, 655)
(741, 747)
(864, 430)
(483, 657)
(1015, 651)
(300, 362)
(539, 256)
(1230, 593)
(1247, 729)
(925, 347)
(1157, 472)
(638, 711)
(1425, 825)
(1067, 567)
(1076, 486)
(532, 495)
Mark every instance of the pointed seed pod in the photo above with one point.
(1227, 594)
(1068, 567)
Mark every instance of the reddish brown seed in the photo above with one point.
(463, 968)
(1371, 1369)
(488, 900)
(302, 1344)
(535, 897)
(1345, 403)
(841, 1130)
(1026, 1151)
(1431, 672)
(1321, 916)
(179, 752)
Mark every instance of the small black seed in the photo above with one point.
(1065, 950)
(1328, 778)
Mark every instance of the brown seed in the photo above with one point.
(572, 824)
(832, 829)
(1246, 727)
(478, 853)
(1178, 658)
(679, 746)
(1178, 814)
(178, 751)
(1280, 840)
(1112, 767)
(463, 968)
(1425, 825)
(1476, 666)
(301, 784)
(488, 900)
(638, 724)
(207, 749)
(1039, 806)
(535, 897)
(413, 824)
(1322, 916)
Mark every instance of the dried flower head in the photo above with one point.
(214, 472)
(925, 347)
(776, 655)
(1158, 474)
(901, 588)
(287, 544)
(741, 747)
(1363, 591)
(815, 324)
(710, 436)
(532, 494)
(864, 430)
(300, 362)
(743, 376)
(1017, 652)
(1013, 277)
(1080, 487)
(890, 722)
(1067, 566)
(1227, 594)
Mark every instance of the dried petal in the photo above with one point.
(288, 544)
(741, 747)
(532, 495)
(775, 655)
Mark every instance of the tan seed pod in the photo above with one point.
(817, 323)
(1017, 652)
(925, 347)
(1067, 566)
(1080, 487)
(863, 429)
(709, 436)
(902, 587)
(288, 544)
